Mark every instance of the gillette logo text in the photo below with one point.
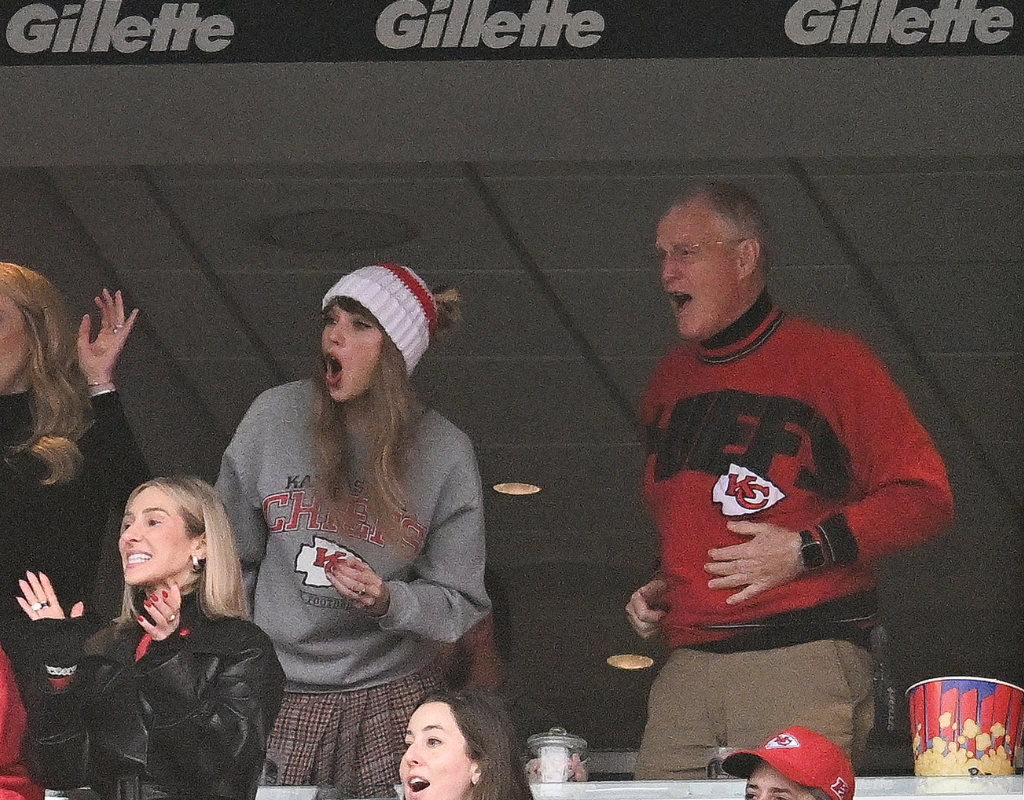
(470, 23)
(96, 26)
(810, 22)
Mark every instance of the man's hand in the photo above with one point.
(770, 558)
(647, 607)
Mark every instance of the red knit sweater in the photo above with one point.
(796, 425)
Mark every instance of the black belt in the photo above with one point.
(848, 619)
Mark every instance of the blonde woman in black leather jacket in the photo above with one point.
(177, 697)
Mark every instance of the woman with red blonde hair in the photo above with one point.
(68, 459)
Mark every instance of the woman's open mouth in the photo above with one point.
(418, 784)
(332, 369)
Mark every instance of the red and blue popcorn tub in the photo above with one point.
(965, 726)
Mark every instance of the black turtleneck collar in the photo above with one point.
(753, 328)
(190, 608)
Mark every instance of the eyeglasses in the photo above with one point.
(687, 250)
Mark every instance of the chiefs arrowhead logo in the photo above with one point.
(314, 560)
(741, 492)
(841, 789)
(784, 741)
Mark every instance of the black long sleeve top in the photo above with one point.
(59, 529)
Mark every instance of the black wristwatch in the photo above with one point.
(811, 553)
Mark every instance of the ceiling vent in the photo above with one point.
(337, 230)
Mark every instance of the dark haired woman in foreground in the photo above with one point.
(462, 746)
(177, 697)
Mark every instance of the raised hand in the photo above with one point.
(98, 357)
(39, 601)
(164, 608)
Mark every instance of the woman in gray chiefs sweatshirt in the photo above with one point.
(359, 519)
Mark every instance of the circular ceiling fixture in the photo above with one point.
(339, 230)
(630, 661)
(516, 488)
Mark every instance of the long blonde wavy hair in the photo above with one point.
(61, 413)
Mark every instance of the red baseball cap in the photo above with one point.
(803, 756)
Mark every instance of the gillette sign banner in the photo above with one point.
(269, 31)
(860, 22)
(471, 23)
(98, 26)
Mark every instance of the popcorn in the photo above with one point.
(965, 726)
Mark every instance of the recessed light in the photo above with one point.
(630, 661)
(516, 488)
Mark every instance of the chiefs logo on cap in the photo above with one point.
(841, 789)
(783, 741)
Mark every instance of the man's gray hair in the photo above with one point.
(736, 206)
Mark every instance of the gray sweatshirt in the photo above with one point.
(286, 540)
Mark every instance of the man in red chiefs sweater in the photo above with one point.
(782, 462)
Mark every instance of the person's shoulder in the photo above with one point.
(229, 633)
(235, 639)
(294, 390)
(440, 442)
(435, 426)
(825, 337)
(105, 402)
(269, 403)
(836, 361)
(677, 360)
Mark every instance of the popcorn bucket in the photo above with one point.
(965, 726)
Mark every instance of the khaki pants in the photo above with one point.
(703, 701)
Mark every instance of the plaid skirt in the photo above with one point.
(352, 741)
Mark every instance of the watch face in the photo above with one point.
(812, 555)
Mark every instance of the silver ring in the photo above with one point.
(172, 617)
(37, 606)
(117, 328)
(361, 592)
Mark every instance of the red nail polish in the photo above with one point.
(139, 617)
(148, 603)
(165, 593)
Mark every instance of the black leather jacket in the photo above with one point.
(189, 719)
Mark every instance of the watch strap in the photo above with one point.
(812, 554)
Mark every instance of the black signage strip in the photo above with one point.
(269, 31)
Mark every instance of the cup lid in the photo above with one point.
(557, 737)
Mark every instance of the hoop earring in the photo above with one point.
(198, 563)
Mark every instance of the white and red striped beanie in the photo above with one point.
(400, 301)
